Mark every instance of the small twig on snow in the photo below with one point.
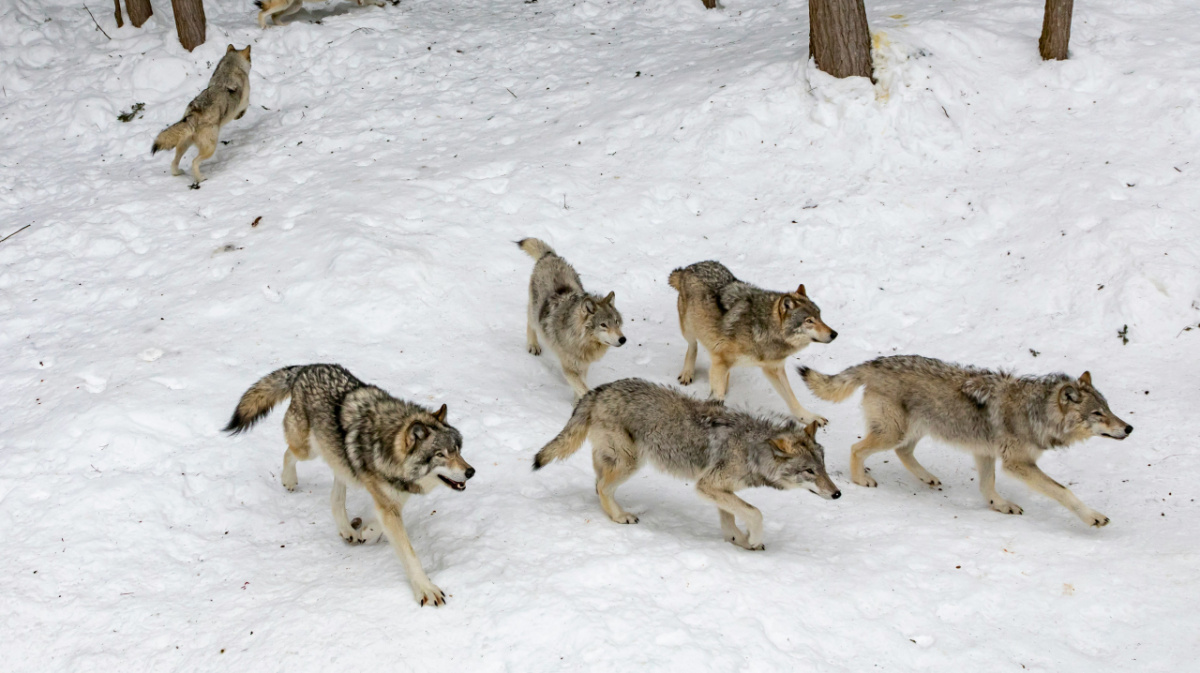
(16, 232)
(510, 91)
(96, 22)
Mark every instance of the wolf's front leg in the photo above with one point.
(424, 591)
(1033, 476)
(576, 380)
(732, 505)
(729, 528)
(777, 375)
(986, 466)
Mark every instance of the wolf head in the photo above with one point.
(801, 319)
(1084, 412)
(602, 320)
(432, 451)
(800, 461)
(244, 53)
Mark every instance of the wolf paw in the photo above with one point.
(932, 481)
(535, 349)
(175, 170)
(744, 543)
(685, 379)
(1005, 507)
(427, 593)
(821, 421)
(625, 517)
(289, 482)
(866, 480)
(194, 185)
(1094, 519)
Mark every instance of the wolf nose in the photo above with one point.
(833, 335)
(836, 495)
(621, 341)
(470, 472)
(1128, 429)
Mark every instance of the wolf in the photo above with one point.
(994, 415)
(277, 9)
(632, 421)
(579, 327)
(225, 99)
(740, 324)
(388, 446)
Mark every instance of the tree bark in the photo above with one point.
(1056, 30)
(120, 21)
(838, 37)
(189, 22)
(139, 11)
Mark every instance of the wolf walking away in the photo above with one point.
(225, 99)
(388, 446)
(994, 415)
(631, 421)
(277, 9)
(579, 327)
(740, 324)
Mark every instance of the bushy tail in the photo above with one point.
(173, 135)
(675, 279)
(832, 388)
(535, 247)
(261, 397)
(571, 438)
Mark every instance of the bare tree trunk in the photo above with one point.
(1056, 30)
(838, 37)
(139, 11)
(189, 22)
(120, 21)
(711, 4)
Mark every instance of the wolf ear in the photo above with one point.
(589, 306)
(800, 291)
(440, 414)
(417, 432)
(1086, 379)
(609, 298)
(230, 48)
(811, 429)
(781, 446)
(1069, 393)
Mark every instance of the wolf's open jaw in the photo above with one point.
(456, 485)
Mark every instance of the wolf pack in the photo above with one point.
(394, 449)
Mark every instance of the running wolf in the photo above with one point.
(277, 9)
(631, 421)
(388, 446)
(579, 327)
(740, 324)
(225, 99)
(994, 415)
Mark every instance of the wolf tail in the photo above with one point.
(172, 136)
(571, 438)
(832, 388)
(675, 280)
(535, 247)
(257, 402)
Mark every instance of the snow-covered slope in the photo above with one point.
(976, 205)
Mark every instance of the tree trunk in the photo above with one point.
(120, 21)
(189, 22)
(1056, 30)
(838, 37)
(139, 11)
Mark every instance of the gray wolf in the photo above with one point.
(388, 446)
(277, 9)
(740, 324)
(225, 99)
(579, 327)
(994, 415)
(632, 421)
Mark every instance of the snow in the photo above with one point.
(977, 205)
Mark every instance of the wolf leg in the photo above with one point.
(295, 431)
(905, 453)
(874, 442)
(179, 152)
(986, 466)
(730, 530)
(206, 146)
(731, 505)
(776, 374)
(1033, 477)
(576, 381)
(531, 338)
(689, 363)
(615, 462)
(718, 377)
(424, 591)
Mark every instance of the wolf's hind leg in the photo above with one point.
(874, 442)
(531, 338)
(615, 461)
(905, 453)
(986, 466)
(179, 152)
(295, 431)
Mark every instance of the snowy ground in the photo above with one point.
(977, 205)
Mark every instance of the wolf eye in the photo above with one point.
(603, 325)
(1098, 413)
(809, 472)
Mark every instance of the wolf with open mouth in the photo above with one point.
(390, 447)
